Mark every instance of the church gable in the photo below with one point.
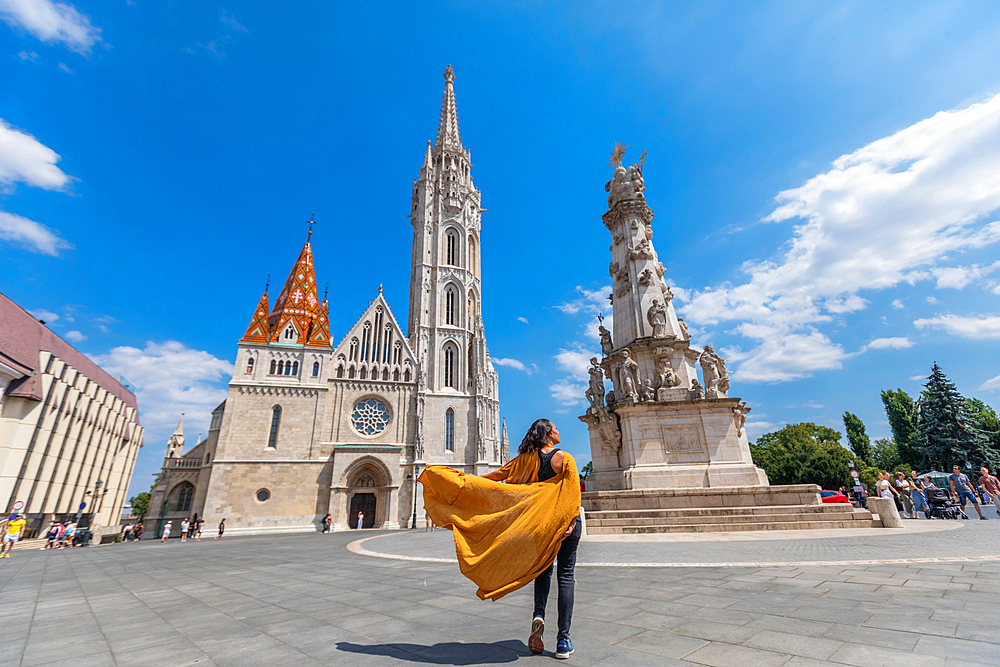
(375, 348)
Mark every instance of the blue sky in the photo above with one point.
(825, 177)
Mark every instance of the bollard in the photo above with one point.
(887, 512)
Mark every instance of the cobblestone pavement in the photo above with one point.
(307, 600)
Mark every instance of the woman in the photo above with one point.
(222, 529)
(540, 442)
(327, 520)
(166, 533)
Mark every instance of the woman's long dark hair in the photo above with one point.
(536, 437)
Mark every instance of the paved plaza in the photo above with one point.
(310, 600)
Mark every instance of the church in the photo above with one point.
(313, 426)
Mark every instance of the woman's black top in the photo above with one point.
(545, 471)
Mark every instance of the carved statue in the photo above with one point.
(606, 345)
(646, 277)
(659, 269)
(595, 392)
(642, 250)
(629, 373)
(606, 423)
(657, 316)
(697, 389)
(625, 185)
(617, 238)
(713, 369)
(665, 375)
(668, 295)
(740, 415)
(421, 380)
(612, 269)
(684, 328)
(647, 393)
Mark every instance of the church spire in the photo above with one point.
(447, 134)
(257, 332)
(298, 303)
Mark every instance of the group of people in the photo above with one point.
(61, 535)
(190, 526)
(132, 532)
(910, 495)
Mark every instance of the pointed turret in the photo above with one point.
(298, 303)
(319, 336)
(175, 445)
(504, 443)
(257, 332)
(447, 134)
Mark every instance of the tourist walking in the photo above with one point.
(428, 524)
(540, 442)
(198, 523)
(961, 488)
(185, 524)
(67, 540)
(166, 532)
(222, 529)
(361, 520)
(137, 532)
(903, 487)
(126, 532)
(991, 485)
(327, 520)
(12, 533)
(917, 495)
(52, 535)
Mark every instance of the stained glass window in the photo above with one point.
(370, 417)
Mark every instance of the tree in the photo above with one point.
(803, 453)
(902, 414)
(946, 430)
(985, 419)
(860, 444)
(140, 504)
(587, 469)
(885, 454)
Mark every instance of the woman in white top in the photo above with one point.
(166, 532)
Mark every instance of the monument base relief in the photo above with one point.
(669, 451)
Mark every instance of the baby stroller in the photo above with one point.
(942, 506)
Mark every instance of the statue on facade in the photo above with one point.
(646, 277)
(628, 371)
(665, 375)
(713, 369)
(668, 294)
(642, 250)
(606, 345)
(696, 387)
(740, 415)
(595, 392)
(625, 185)
(657, 316)
(646, 391)
(684, 328)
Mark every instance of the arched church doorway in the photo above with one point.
(366, 504)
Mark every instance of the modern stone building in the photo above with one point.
(69, 432)
(310, 427)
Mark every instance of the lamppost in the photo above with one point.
(416, 466)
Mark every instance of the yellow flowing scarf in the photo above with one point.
(506, 534)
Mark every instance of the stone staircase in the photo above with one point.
(726, 519)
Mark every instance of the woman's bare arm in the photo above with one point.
(496, 475)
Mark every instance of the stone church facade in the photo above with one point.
(311, 427)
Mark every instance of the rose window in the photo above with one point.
(370, 417)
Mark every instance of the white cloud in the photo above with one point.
(895, 343)
(931, 300)
(897, 303)
(24, 158)
(102, 323)
(892, 211)
(51, 22)
(231, 21)
(170, 378)
(523, 319)
(957, 277)
(75, 337)
(567, 392)
(982, 328)
(514, 363)
(42, 314)
(576, 361)
(28, 55)
(33, 235)
(64, 67)
(990, 384)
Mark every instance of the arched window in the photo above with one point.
(406, 376)
(450, 305)
(295, 368)
(273, 366)
(385, 373)
(450, 374)
(315, 369)
(397, 353)
(290, 332)
(449, 430)
(281, 368)
(354, 349)
(395, 375)
(471, 312)
(451, 248)
(184, 497)
(272, 439)
(386, 341)
(366, 341)
(249, 365)
(473, 259)
(364, 373)
(340, 371)
(350, 373)
(377, 349)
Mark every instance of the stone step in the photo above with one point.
(726, 527)
(33, 543)
(744, 518)
(828, 508)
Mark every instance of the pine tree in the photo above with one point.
(856, 436)
(946, 432)
(902, 414)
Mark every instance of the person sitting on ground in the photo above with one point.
(961, 489)
(991, 485)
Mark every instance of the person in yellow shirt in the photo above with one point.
(15, 526)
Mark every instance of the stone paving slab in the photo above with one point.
(308, 600)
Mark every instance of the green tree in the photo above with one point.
(587, 469)
(803, 453)
(856, 436)
(885, 455)
(140, 504)
(902, 413)
(986, 420)
(946, 431)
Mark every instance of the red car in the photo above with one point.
(833, 497)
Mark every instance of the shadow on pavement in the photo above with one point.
(448, 653)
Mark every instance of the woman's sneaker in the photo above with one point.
(535, 644)
(564, 649)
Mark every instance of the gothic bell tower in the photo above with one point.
(458, 398)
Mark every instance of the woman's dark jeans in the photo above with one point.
(565, 565)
